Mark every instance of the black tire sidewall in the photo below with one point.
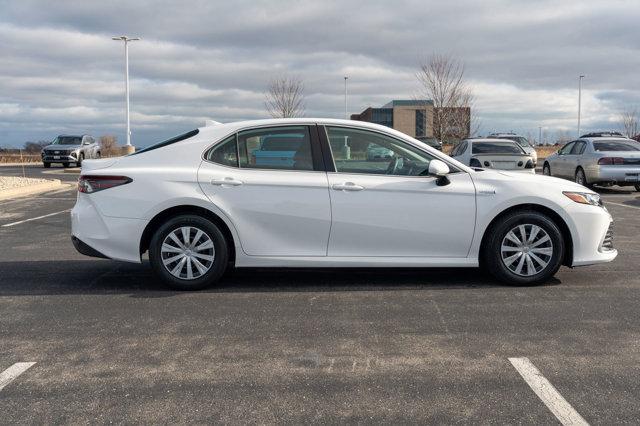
(492, 252)
(579, 170)
(219, 243)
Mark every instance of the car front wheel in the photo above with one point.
(188, 252)
(546, 170)
(524, 248)
(580, 178)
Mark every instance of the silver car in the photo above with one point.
(597, 161)
(68, 149)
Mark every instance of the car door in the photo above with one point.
(389, 207)
(271, 183)
(560, 166)
(576, 156)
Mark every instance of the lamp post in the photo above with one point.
(579, 101)
(128, 148)
(345, 97)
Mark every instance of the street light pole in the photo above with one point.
(126, 41)
(539, 135)
(345, 97)
(579, 101)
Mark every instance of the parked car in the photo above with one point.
(522, 141)
(68, 149)
(597, 160)
(196, 204)
(276, 150)
(432, 142)
(493, 154)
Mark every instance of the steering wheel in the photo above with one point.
(393, 166)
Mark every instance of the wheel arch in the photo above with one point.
(170, 212)
(557, 219)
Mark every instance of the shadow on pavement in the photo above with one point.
(109, 277)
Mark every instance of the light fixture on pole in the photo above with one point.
(345, 97)
(126, 41)
(579, 101)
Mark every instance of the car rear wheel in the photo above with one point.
(546, 170)
(188, 252)
(580, 177)
(524, 248)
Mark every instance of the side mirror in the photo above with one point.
(440, 170)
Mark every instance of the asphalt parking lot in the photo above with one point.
(307, 346)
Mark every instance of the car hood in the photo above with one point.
(61, 147)
(528, 180)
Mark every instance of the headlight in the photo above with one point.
(584, 198)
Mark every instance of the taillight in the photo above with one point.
(609, 161)
(91, 184)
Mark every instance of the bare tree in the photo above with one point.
(109, 144)
(285, 97)
(442, 80)
(629, 121)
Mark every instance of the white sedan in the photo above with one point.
(494, 154)
(304, 193)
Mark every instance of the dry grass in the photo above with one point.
(17, 158)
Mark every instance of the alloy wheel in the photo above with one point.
(526, 250)
(187, 252)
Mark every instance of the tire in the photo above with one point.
(546, 169)
(175, 275)
(98, 155)
(80, 159)
(46, 165)
(637, 187)
(580, 178)
(504, 264)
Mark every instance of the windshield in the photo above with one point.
(520, 139)
(68, 140)
(613, 145)
(495, 148)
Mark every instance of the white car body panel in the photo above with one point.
(295, 218)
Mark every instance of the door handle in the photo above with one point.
(347, 186)
(226, 181)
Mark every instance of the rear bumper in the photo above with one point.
(111, 237)
(619, 175)
(85, 249)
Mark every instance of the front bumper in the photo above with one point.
(592, 235)
(59, 158)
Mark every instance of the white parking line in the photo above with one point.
(547, 393)
(622, 205)
(33, 218)
(11, 373)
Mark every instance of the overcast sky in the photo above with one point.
(61, 72)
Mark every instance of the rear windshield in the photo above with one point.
(495, 148)
(612, 145)
(168, 141)
(68, 140)
(520, 139)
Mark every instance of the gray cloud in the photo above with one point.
(201, 59)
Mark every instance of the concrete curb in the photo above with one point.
(30, 190)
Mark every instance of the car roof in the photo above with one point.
(609, 138)
(490, 140)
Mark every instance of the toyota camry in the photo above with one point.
(308, 193)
